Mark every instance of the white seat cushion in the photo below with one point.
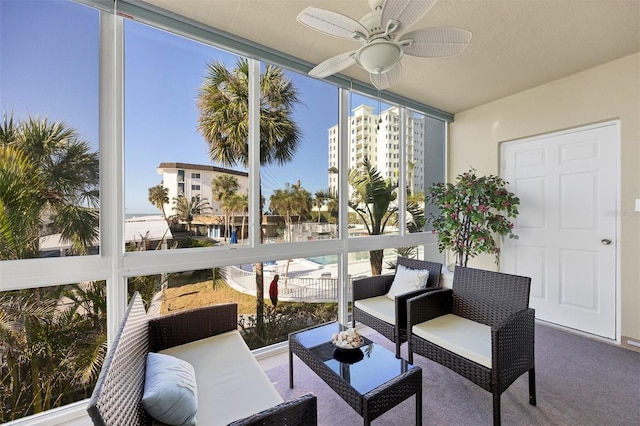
(469, 339)
(380, 307)
(231, 383)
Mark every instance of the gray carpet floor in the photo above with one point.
(579, 381)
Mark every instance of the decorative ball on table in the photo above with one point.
(347, 345)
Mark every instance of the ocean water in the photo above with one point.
(130, 215)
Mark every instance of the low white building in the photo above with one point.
(152, 230)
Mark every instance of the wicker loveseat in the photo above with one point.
(232, 388)
(482, 328)
(389, 317)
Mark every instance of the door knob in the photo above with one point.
(605, 241)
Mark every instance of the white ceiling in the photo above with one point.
(516, 44)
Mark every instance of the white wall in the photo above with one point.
(610, 91)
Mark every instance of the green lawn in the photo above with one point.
(202, 293)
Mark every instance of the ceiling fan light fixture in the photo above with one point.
(379, 56)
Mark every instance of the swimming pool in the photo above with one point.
(332, 259)
(327, 259)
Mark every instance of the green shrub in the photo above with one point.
(285, 319)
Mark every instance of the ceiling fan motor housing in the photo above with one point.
(379, 56)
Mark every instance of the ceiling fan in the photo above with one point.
(382, 44)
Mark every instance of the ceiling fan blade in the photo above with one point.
(331, 23)
(406, 12)
(334, 65)
(435, 42)
(387, 79)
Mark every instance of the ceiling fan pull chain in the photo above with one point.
(379, 110)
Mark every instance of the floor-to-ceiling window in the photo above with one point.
(185, 218)
(52, 324)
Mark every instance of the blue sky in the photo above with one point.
(49, 68)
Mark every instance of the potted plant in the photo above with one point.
(472, 212)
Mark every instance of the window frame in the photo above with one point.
(113, 264)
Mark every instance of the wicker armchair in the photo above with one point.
(370, 287)
(497, 300)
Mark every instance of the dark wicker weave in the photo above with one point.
(116, 397)
(298, 411)
(379, 285)
(498, 300)
(183, 327)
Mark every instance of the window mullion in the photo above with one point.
(402, 172)
(343, 206)
(111, 101)
(255, 217)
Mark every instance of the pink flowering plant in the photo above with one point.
(472, 212)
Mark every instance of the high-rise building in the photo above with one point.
(377, 138)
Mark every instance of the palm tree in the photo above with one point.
(282, 202)
(68, 172)
(12, 309)
(332, 208)
(290, 201)
(159, 196)
(372, 200)
(89, 306)
(415, 207)
(321, 197)
(243, 204)
(223, 100)
(238, 203)
(223, 187)
(20, 205)
(54, 342)
(186, 209)
(228, 210)
(302, 201)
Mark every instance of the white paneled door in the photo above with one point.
(567, 226)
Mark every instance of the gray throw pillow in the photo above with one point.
(170, 394)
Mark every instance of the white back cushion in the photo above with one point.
(407, 280)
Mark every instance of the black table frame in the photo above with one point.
(373, 403)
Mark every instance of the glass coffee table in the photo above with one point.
(370, 379)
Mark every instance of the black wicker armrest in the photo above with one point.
(428, 306)
(401, 304)
(512, 344)
(189, 326)
(377, 285)
(299, 411)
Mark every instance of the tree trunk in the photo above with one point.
(226, 226)
(36, 386)
(286, 274)
(15, 386)
(260, 285)
(259, 298)
(375, 259)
